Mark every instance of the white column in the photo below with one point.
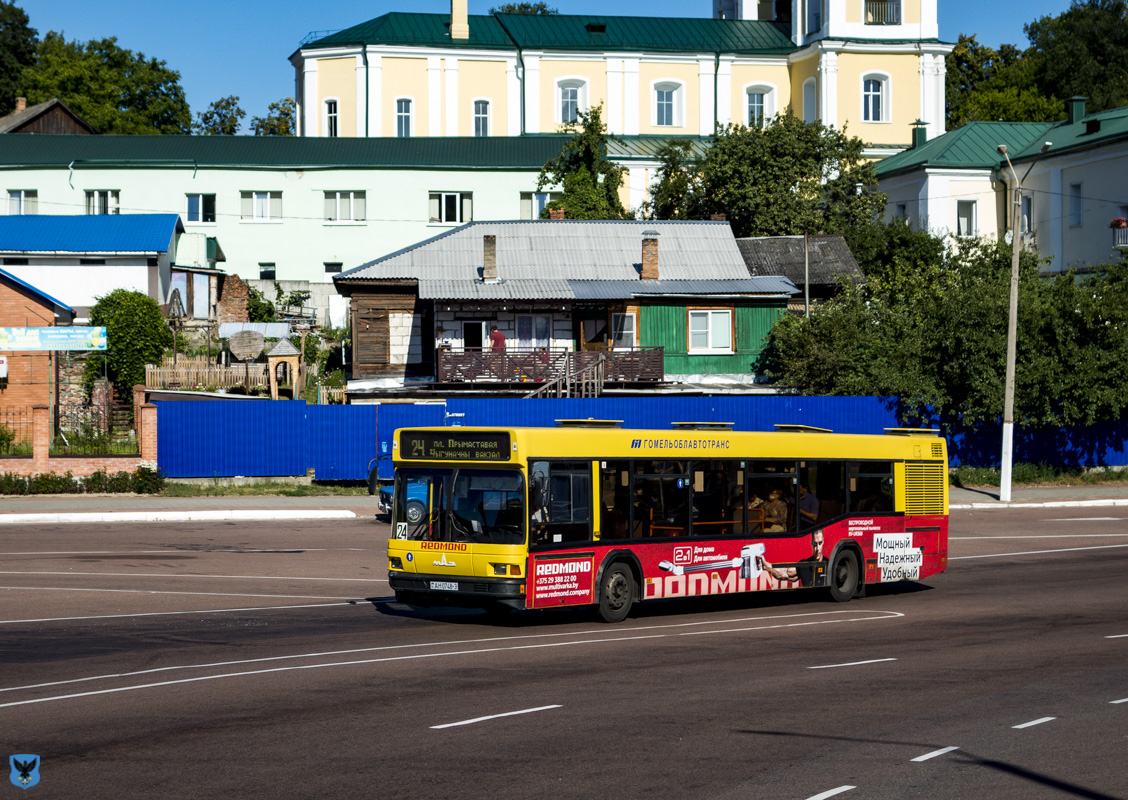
(929, 21)
(937, 122)
(532, 94)
(451, 74)
(630, 96)
(614, 95)
(1056, 221)
(375, 96)
(828, 88)
(434, 96)
(312, 109)
(512, 99)
(724, 93)
(705, 72)
(361, 97)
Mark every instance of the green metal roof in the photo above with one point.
(418, 29)
(570, 32)
(971, 147)
(696, 35)
(645, 147)
(25, 150)
(1091, 130)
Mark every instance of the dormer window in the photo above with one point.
(596, 27)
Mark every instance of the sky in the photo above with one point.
(242, 47)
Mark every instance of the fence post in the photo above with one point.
(147, 436)
(40, 439)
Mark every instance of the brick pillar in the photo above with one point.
(489, 258)
(556, 213)
(40, 439)
(148, 433)
(138, 401)
(650, 255)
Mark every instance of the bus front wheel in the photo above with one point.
(616, 593)
(844, 576)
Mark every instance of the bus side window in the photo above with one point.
(615, 500)
(561, 502)
(871, 487)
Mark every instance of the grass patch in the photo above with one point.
(266, 488)
(1037, 475)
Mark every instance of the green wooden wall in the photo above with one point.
(666, 323)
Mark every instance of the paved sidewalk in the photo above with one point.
(1026, 496)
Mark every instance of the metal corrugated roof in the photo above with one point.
(971, 147)
(280, 152)
(1090, 130)
(828, 258)
(646, 147)
(78, 233)
(556, 289)
(418, 29)
(685, 34)
(548, 289)
(565, 249)
(269, 330)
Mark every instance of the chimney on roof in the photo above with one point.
(459, 22)
(718, 218)
(489, 258)
(556, 213)
(920, 134)
(21, 104)
(649, 255)
(1076, 106)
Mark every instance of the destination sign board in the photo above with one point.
(53, 338)
(457, 445)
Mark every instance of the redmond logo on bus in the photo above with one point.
(563, 567)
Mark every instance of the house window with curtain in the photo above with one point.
(103, 201)
(965, 218)
(710, 331)
(533, 203)
(403, 117)
(344, 206)
(481, 117)
(260, 206)
(451, 208)
(534, 330)
(23, 201)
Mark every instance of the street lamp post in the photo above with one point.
(1012, 327)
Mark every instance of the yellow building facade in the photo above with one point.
(871, 66)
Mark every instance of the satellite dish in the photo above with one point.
(1009, 237)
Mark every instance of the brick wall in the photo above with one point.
(41, 461)
(30, 377)
(232, 304)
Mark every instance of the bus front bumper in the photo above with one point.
(456, 590)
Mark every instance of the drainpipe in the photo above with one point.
(367, 90)
(716, 80)
(521, 84)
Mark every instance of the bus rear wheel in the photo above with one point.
(844, 576)
(616, 593)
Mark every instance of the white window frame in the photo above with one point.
(974, 221)
(617, 326)
(260, 200)
(884, 97)
(577, 82)
(537, 201)
(187, 208)
(715, 319)
(1076, 205)
(474, 116)
(97, 204)
(331, 119)
(678, 101)
(271, 265)
(334, 196)
(768, 90)
(23, 201)
(810, 100)
(1026, 213)
(410, 116)
(460, 205)
(534, 341)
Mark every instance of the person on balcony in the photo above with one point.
(497, 340)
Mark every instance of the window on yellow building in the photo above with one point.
(403, 117)
(481, 117)
(875, 97)
(571, 97)
(331, 118)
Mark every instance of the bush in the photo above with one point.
(144, 480)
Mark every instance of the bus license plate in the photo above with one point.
(444, 586)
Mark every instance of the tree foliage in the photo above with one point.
(279, 120)
(932, 331)
(115, 90)
(984, 84)
(590, 181)
(136, 334)
(221, 118)
(539, 7)
(17, 52)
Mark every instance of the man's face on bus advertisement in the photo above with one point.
(817, 544)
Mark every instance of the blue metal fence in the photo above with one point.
(221, 439)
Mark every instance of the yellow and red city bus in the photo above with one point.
(589, 513)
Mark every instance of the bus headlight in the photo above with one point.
(394, 562)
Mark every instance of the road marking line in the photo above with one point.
(1032, 723)
(342, 603)
(114, 517)
(935, 753)
(1040, 552)
(492, 716)
(156, 591)
(1086, 519)
(1118, 702)
(225, 577)
(853, 663)
(1118, 636)
(387, 659)
(831, 793)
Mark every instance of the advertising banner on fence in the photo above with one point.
(42, 339)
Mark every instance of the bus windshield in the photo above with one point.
(485, 506)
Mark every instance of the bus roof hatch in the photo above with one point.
(704, 425)
(801, 428)
(588, 423)
(912, 431)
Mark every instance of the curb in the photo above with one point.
(174, 516)
(1046, 504)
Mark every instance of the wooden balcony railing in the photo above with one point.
(883, 12)
(522, 365)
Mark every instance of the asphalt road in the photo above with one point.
(265, 660)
